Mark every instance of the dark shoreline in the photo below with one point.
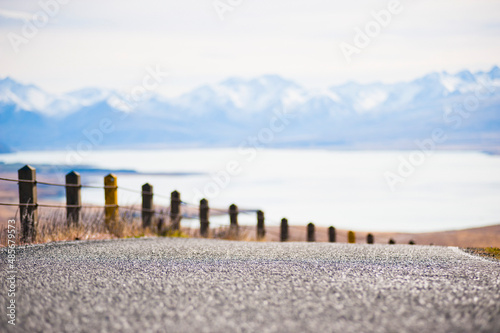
(49, 170)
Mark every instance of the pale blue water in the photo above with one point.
(449, 190)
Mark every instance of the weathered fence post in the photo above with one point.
(111, 201)
(73, 198)
(27, 203)
(204, 222)
(147, 211)
(332, 235)
(310, 232)
(284, 230)
(351, 237)
(369, 239)
(160, 226)
(261, 231)
(175, 210)
(233, 219)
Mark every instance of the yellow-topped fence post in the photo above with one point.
(111, 201)
(351, 237)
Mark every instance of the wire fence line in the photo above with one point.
(218, 211)
(82, 186)
(153, 216)
(8, 204)
(28, 209)
(89, 206)
(61, 185)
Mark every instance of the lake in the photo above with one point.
(346, 189)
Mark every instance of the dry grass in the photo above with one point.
(221, 232)
(52, 226)
(489, 252)
(493, 251)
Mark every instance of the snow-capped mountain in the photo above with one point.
(26, 97)
(241, 96)
(376, 115)
(32, 98)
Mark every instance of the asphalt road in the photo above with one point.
(190, 285)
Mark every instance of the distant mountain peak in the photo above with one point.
(250, 95)
(466, 76)
(6, 79)
(494, 73)
(225, 113)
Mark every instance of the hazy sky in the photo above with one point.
(110, 43)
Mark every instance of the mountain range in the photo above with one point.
(465, 105)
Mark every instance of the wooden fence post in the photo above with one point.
(233, 219)
(332, 235)
(369, 239)
(27, 203)
(161, 224)
(147, 211)
(351, 237)
(261, 231)
(310, 232)
(204, 220)
(73, 198)
(111, 201)
(175, 210)
(284, 230)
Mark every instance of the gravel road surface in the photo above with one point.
(193, 285)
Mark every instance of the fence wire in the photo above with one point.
(220, 211)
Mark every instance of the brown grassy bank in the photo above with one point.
(476, 237)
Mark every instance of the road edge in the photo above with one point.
(458, 250)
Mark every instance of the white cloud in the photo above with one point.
(109, 43)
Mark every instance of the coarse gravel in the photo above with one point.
(199, 285)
